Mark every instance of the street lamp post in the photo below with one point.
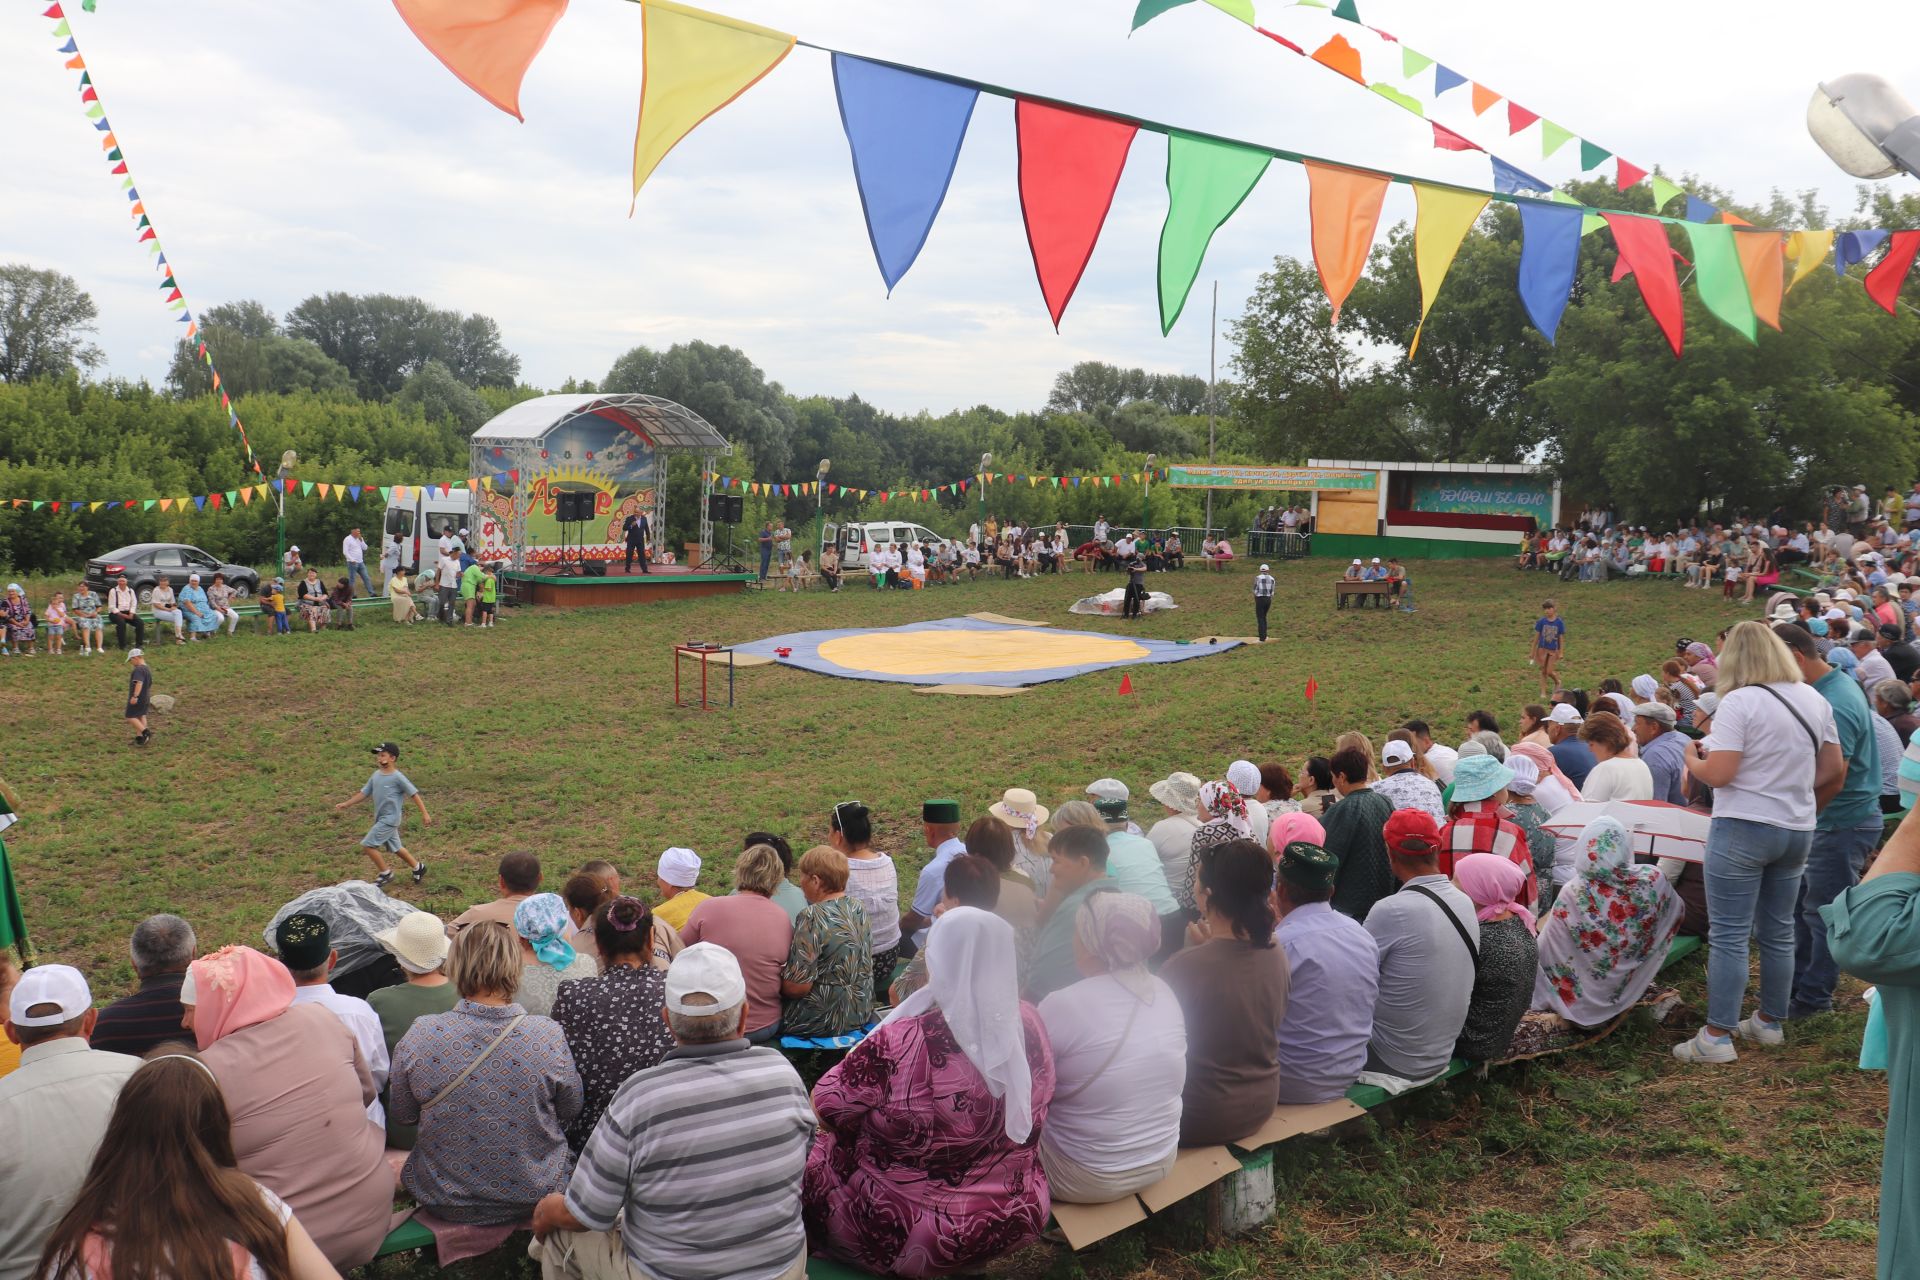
(1146, 492)
(986, 460)
(819, 513)
(288, 461)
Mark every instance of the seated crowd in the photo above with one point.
(1054, 1005)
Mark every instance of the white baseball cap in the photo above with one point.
(1263, 568)
(1356, 560)
(135, 653)
(293, 548)
(1396, 753)
(680, 867)
(60, 985)
(705, 969)
(1563, 713)
(1376, 560)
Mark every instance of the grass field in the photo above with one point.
(556, 732)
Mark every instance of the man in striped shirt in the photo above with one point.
(1262, 599)
(693, 1172)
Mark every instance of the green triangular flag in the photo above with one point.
(63, 29)
(1346, 10)
(1412, 64)
(1553, 137)
(1663, 191)
(1591, 155)
(96, 112)
(1399, 99)
(126, 184)
(37, 504)
(1719, 278)
(115, 156)
(1591, 223)
(147, 504)
(13, 921)
(386, 492)
(1206, 181)
(1561, 197)
(1309, 4)
(306, 487)
(1151, 9)
(1241, 9)
(144, 222)
(233, 497)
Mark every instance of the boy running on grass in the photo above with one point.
(1549, 640)
(389, 789)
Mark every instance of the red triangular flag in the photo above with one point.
(1884, 281)
(1070, 162)
(1629, 173)
(1313, 687)
(1126, 685)
(1281, 40)
(1447, 140)
(1518, 117)
(1649, 255)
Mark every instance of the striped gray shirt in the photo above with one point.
(704, 1154)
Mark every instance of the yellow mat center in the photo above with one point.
(927, 653)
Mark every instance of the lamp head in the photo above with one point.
(986, 460)
(826, 465)
(1865, 125)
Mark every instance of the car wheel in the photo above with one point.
(241, 590)
(145, 592)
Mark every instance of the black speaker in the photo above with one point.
(572, 508)
(594, 568)
(736, 508)
(726, 508)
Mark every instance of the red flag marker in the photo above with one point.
(1126, 685)
(1313, 687)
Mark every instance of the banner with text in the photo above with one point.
(1269, 479)
(1479, 495)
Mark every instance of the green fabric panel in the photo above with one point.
(1663, 191)
(1206, 181)
(1151, 9)
(1719, 278)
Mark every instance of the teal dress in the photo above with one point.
(1873, 930)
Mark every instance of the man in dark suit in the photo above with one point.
(636, 529)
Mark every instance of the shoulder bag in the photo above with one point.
(461, 1079)
(1452, 919)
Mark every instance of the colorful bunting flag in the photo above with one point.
(1483, 98)
(904, 131)
(1412, 64)
(1345, 10)
(1340, 56)
(1591, 157)
(1884, 281)
(1206, 181)
(1148, 10)
(695, 63)
(1511, 181)
(1070, 162)
(1854, 246)
(487, 44)
(1399, 99)
(1764, 265)
(1552, 138)
(1445, 78)
(1345, 209)
(1444, 216)
(1281, 40)
(1628, 173)
(1808, 249)
(1663, 191)
(1447, 140)
(1518, 117)
(1719, 278)
(1699, 210)
(1647, 253)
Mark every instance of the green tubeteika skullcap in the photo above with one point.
(940, 812)
(1308, 865)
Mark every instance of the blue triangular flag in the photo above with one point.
(133, 194)
(905, 131)
(353, 491)
(200, 501)
(1854, 246)
(69, 47)
(1549, 253)
(1699, 210)
(182, 318)
(1511, 181)
(1445, 78)
(101, 125)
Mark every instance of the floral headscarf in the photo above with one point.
(1604, 941)
(543, 921)
(1121, 929)
(235, 988)
(1222, 802)
(1701, 654)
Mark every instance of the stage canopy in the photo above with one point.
(611, 445)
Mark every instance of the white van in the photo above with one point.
(856, 540)
(424, 515)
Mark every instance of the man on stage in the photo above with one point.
(635, 530)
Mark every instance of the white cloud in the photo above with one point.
(288, 150)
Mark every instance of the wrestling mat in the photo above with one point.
(969, 651)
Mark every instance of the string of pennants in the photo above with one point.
(812, 488)
(905, 125)
(113, 153)
(1339, 56)
(245, 495)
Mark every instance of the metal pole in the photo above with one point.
(1213, 333)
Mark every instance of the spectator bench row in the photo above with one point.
(1237, 1178)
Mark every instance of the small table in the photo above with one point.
(1379, 590)
(703, 654)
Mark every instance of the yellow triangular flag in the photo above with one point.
(1446, 214)
(694, 64)
(1808, 249)
(94, 506)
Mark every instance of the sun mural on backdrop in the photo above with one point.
(602, 536)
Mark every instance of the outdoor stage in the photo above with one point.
(665, 582)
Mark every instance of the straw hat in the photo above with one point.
(1179, 792)
(1020, 809)
(418, 941)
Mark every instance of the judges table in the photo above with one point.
(1361, 592)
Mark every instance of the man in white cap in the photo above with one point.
(1574, 757)
(1263, 585)
(1402, 783)
(1375, 571)
(53, 1109)
(694, 1170)
(1663, 749)
(1354, 572)
(678, 872)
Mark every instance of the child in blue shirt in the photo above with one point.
(1549, 644)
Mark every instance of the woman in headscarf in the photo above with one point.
(1644, 687)
(1528, 815)
(1223, 819)
(1552, 790)
(1120, 1059)
(1607, 935)
(1507, 961)
(1245, 777)
(297, 1089)
(547, 959)
(926, 1162)
(1701, 664)
(1289, 827)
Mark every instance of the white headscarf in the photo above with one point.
(1244, 775)
(973, 980)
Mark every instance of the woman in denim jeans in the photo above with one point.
(1773, 747)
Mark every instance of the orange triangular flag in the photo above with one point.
(323, 486)
(246, 496)
(1763, 261)
(166, 504)
(1342, 57)
(1126, 685)
(1483, 98)
(488, 44)
(1344, 205)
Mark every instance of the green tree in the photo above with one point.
(253, 357)
(382, 340)
(444, 398)
(722, 386)
(44, 319)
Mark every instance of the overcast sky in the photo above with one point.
(285, 149)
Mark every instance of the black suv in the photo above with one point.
(144, 564)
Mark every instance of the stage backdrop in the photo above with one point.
(589, 453)
(1449, 493)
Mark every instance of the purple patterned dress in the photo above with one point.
(911, 1173)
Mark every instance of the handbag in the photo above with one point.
(461, 1079)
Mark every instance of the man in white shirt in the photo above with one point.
(447, 581)
(448, 544)
(123, 607)
(354, 548)
(305, 944)
(1429, 939)
(1100, 529)
(1440, 758)
(1871, 666)
(390, 554)
(53, 1109)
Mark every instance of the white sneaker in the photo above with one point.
(1701, 1049)
(1768, 1035)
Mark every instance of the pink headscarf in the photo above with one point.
(1493, 882)
(1548, 766)
(235, 988)
(1289, 827)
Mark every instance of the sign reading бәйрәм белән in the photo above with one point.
(1480, 495)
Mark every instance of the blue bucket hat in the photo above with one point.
(1477, 777)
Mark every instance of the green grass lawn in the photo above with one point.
(557, 733)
